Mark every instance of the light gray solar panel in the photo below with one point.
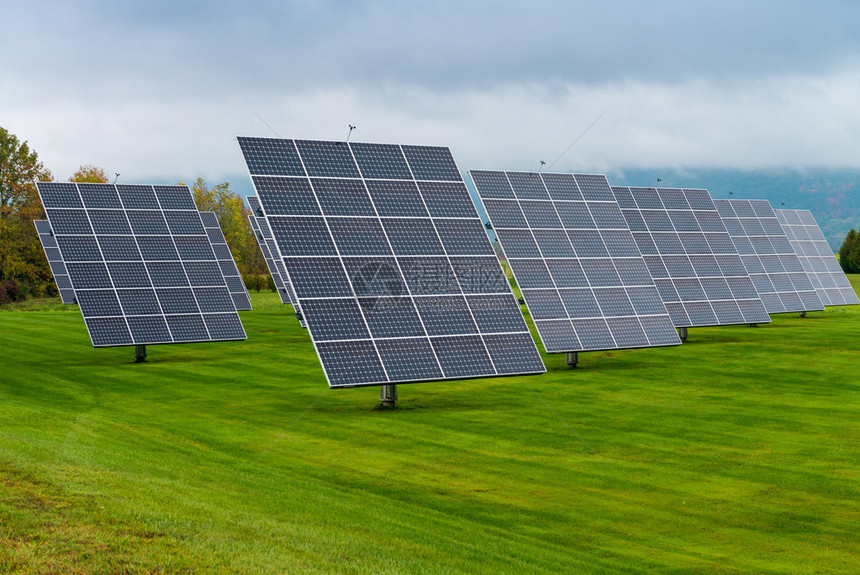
(391, 265)
(55, 261)
(140, 264)
(767, 255)
(818, 260)
(572, 254)
(266, 242)
(235, 285)
(689, 254)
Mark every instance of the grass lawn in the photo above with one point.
(738, 451)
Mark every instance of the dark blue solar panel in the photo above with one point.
(58, 195)
(135, 197)
(383, 161)
(342, 197)
(118, 245)
(397, 198)
(99, 196)
(402, 230)
(447, 199)
(271, 156)
(409, 359)
(431, 163)
(287, 196)
(327, 159)
(139, 302)
(351, 363)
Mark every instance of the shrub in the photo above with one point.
(10, 291)
(849, 253)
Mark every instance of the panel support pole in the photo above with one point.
(388, 395)
(802, 314)
(139, 353)
(682, 333)
(753, 325)
(572, 359)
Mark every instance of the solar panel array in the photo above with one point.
(768, 257)
(817, 258)
(266, 241)
(691, 257)
(140, 263)
(391, 264)
(55, 260)
(235, 285)
(575, 261)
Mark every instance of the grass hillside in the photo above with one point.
(736, 452)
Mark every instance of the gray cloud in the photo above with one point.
(159, 89)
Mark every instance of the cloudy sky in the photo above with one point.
(158, 90)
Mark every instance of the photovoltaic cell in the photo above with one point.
(226, 263)
(767, 255)
(574, 260)
(687, 245)
(390, 262)
(816, 257)
(140, 264)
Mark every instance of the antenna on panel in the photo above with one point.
(351, 128)
(259, 117)
(116, 177)
(730, 194)
(658, 181)
(542, 164)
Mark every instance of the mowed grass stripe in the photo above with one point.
(735, 452)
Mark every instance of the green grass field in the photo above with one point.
(736, 452)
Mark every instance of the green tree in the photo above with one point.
(88, 173)
(849, 253)
(233, 218)
(21, 257)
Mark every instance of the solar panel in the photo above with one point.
(571, 252)
(691, 257)
(237, 288)
(55, 261)
(818, 260)
(391, 265)
(768, 257)
(269, 248)
(140, 264)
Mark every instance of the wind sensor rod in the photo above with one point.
(578, 138)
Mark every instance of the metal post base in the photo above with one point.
(388, 395)
(682, 333)
(572, 359)
(139, 353)
(802, 314)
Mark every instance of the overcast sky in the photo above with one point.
(158, 90)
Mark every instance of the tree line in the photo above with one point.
(24, 270)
